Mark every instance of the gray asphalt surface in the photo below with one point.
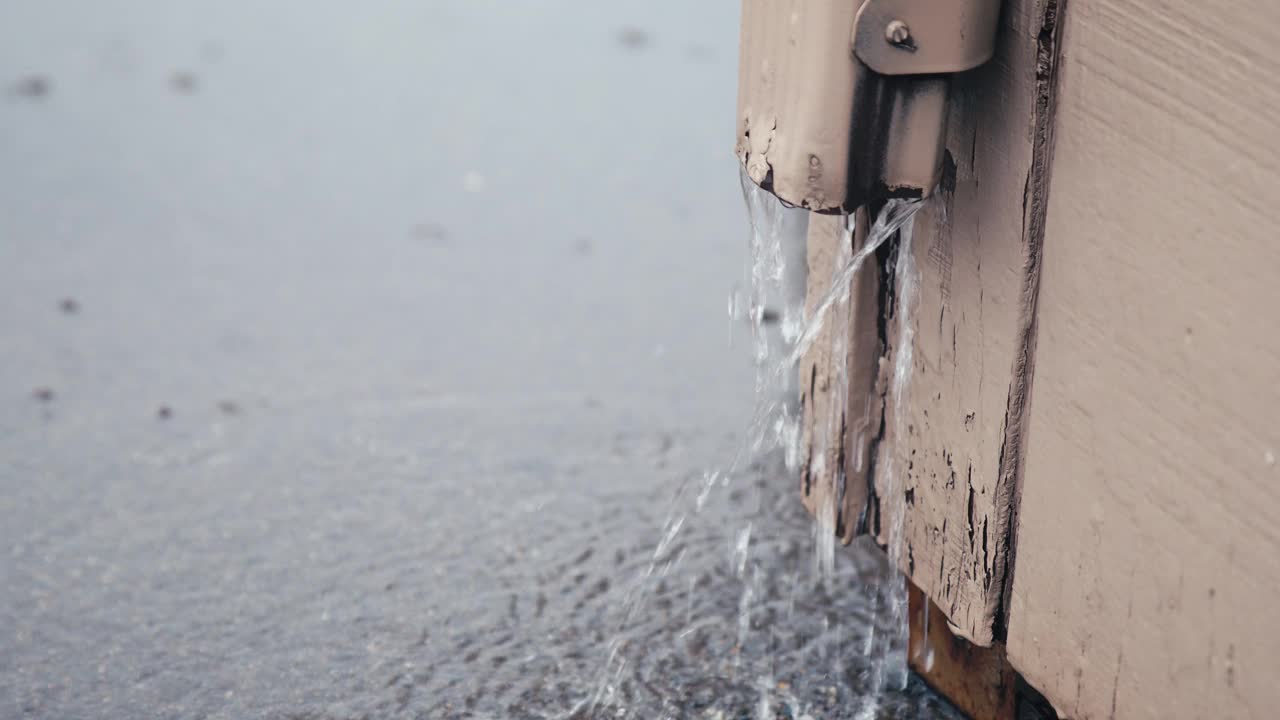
(351, 355)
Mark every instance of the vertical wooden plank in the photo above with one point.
(977, 256)
(864, 399)
(1147, 566)
(838, 429)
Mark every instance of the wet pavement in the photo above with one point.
(351, 357)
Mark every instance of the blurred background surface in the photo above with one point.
(351, 354)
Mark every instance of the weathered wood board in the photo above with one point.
(1148, 545)
(838, 429)
(976, 249)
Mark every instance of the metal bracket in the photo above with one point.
(925, 37)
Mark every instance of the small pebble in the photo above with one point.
(633, 38)
(183, 82)
(43, 394)
(228, 407)
(35, 86)
(164, 413)
(69, 306)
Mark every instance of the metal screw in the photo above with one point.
(898, 34)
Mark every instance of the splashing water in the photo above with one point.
(802, 640)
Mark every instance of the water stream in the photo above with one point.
(794, 627)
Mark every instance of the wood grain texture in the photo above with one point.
(1147, 561)
(977, 257)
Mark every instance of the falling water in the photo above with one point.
(813, 640)
(889, 640)
(896, 215)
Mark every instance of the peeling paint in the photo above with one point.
(759, 140)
